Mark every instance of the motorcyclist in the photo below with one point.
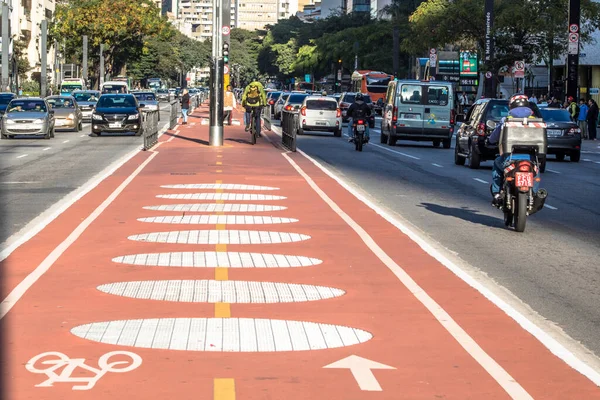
(358, 109)
(254, 97)
(519, 108)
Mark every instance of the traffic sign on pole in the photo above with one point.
(519, 69)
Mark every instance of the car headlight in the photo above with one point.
(134, 116)
(97, 117)
(38, 121)
(70, 116)
(10, 122)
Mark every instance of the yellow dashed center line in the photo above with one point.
(224, 389)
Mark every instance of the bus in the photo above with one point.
(69, 84)
(125, 79)
(373, 83)
(154, 83)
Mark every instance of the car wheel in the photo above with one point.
(48, 135)
(80, 126)
(4, 136)
(52, 132)
(139, 132)
(337, 132)
(382, 138)
(300, 131)
(474, 158)
(560, 156)
(543, 165)
(447, 143)
(391, 140)
(458, 159)
(575, 156)
(436, 143)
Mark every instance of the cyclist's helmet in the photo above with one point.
(359, 96)
(518, 100)
(570, 98)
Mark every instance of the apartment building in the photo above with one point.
(287, 8)
(256, 14)
(358, 6)
(332, 7)
(195, 18)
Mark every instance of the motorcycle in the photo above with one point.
(359, 126)
(517, 197)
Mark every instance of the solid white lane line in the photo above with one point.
(481, 180)
(47, 148)
(586, 159)
(437, 165)
(553, 171)
(22, 155)
(394, 151)
(550, 207)
(550, 342)
(45, 265)
(66, 141)
(504, 379)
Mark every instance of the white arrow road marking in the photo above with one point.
(361, 370)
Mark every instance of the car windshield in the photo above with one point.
(555, 115)
(296, 98)
(6, 98)
(284, 96)
(26, 106)
(87, 96)
(116, 101)
(113, 89)
(145, 96)
(497, 111)
(327, 105)
(163, 91)
(61, 102)
(273, 95)
(349, 98)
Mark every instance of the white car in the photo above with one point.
(320, 113)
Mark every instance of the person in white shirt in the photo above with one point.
(533, 99)
(463, 101)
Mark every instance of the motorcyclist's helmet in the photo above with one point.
(518, 100)
(359, 97)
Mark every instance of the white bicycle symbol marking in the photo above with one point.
(60, 360)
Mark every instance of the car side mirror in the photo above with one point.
(490, 124)
(460, 118)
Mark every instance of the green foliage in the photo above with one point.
(31, 88)
(244, 49)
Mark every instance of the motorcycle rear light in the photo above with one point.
(481, 129)
(338, 113)
(303, 111)
(524, 167)
(360, 122)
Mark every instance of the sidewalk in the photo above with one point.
(246, 272)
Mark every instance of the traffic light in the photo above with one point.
(226, 52)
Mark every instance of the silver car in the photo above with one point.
(30, 116)
(67, 114)
(149, 100)
(86, 100)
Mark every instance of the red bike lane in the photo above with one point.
(240, 272)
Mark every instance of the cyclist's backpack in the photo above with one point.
(253, 96)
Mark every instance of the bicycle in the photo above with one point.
(253, 118)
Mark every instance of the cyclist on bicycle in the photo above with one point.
(253, 99)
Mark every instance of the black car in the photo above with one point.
(5, 98)
(117, 113)
(564, 136)
(472, 134)
(346, 100)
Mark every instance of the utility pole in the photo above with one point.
(85, 60)
(5, 43)
(226, 30)
(216, 78)
(44, 51)
(396, 52)
(101, 80)
(573, 50)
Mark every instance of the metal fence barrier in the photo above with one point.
(267, 117)
(289, 127)
(150, 128)
(175, 111)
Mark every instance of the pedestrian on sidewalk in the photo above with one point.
(229, 104)
(185, 105)
(582, 119)
(592, 119)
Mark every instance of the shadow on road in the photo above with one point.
(200, 141)
(464, 213)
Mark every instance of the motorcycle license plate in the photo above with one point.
(360, 128)
(524, 179)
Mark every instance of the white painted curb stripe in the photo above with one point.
(45, 265)
(41, 221)
(548, 341)
(507, 382)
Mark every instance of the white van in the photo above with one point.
(114, 87)
(420, 111)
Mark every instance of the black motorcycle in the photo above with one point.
(359, 126)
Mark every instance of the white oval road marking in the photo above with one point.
(66, 141)
(481, 180)
(553, 171)
(550, 207)
(222, 334)
(213, 259)
(46, 149)
(437, 165)
(22, 155)
(220, 196)
(216, 207)
(394, 151)
(219, 237)
(227, 186)
(218, 219)
(216, 291)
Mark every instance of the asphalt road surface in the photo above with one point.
(552, 267)
(36, 173)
